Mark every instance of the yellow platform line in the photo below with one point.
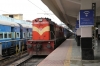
(68, 57)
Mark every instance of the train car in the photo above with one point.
(25, 34)
(46, 36)
(65, 33)
(12, 37)
(6, 35)
(15, 37)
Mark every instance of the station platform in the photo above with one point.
(68, 54)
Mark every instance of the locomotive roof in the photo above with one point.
(8, 23)
(26, 26)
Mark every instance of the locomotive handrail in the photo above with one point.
(53, 34)
(12, 40)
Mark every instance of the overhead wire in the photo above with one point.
(39, 8)
(45, 13)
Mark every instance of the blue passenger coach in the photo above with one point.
(15, 46)
(25, 34)
(8, 32)
(67, 33)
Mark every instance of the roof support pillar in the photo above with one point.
(78, 33)
(86, 33)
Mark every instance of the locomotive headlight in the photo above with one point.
(48, 46)
(49, 42)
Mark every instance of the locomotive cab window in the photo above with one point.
(40, 19)
(1, 35)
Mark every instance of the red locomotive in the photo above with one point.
(46, 36)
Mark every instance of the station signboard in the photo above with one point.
(86, 18)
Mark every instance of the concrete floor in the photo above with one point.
(69, 54)
(97, 51)
(76, 56)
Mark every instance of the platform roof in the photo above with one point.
(68, 10)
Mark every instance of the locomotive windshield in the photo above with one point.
(40, 19)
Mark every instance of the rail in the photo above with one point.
(18, 62)
(29, 60)
(9, 59)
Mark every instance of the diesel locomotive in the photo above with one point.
(46, 36)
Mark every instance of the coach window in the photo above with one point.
(9, 35)
(17, 35)
(30, 34)
(23, 35)
(11, 16)
(5, 35)
(12, 34)
(1, 35)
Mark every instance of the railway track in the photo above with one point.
(6, 60)
(28, 61)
